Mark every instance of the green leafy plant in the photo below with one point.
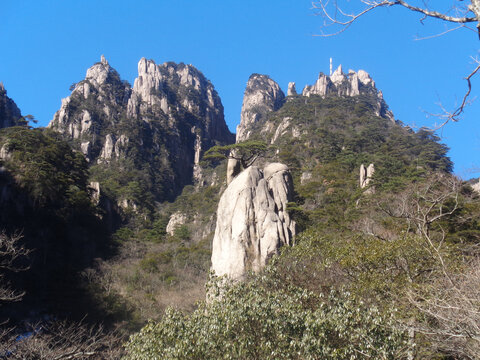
(263, 319)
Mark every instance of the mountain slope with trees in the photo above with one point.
(392, 245)
(389, 270)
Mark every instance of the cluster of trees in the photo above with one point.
(394, 274)
(51, 229)
(396, 277)
(265, 318)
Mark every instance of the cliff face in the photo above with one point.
(9, 112)
(262, 95)
(160, 126)
(252, 220)
(95, 104)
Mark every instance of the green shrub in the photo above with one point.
(182, 232)
(262, 319)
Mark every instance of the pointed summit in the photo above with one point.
(338, 76)
(9, 112)
(103, 60)
(262, 95)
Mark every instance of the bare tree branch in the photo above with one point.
(61, 340)
(10, 251)
(451, 307)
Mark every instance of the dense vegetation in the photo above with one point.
(46, 200)
(369, 269)
(386, 272)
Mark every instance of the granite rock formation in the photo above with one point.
(366, 174)
(252, 221)
(160, 127)
(176, 219)
(291, 89)
(351, 84)
(262, 95)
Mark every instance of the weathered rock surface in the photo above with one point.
(476, 186)
(252, 221)
(351, 84)
(161, 125)
(262, 95)
(233, 169)
(366, 174)
(291, 89)
(176, 219)
(94, 103)
(95, 194)
(9, 112)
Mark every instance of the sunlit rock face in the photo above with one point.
(366, 175)
(161, 125)
(252, 220)
(262, 95)
(95, 103)
(350, 84)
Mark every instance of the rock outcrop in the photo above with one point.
(262, 95)
(476, 186)
(95, 103)
(9, 112)
(292, 91)
(233, 169)
(366, 174)
(351, 84)
(252, 221)
(176, 219)
(160, 127)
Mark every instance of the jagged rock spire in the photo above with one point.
(9, 112)
(351, 84)
(291, 89)
(262, 95)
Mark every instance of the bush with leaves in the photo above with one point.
(264, 319)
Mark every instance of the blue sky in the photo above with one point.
(48, 45)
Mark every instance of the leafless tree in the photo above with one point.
(11, 250)
(451, 313)
(340, 15)
(423, 206)
(449, 302)
(61, 340)
(56, 340)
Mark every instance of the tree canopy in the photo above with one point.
(246, 152)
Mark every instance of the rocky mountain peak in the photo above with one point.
(262, 95)
(9, 112)
(351, 84)
(106, 94)
(99, 72)
(160, 126)
(338, 76)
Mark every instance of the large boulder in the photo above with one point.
(252, 221)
